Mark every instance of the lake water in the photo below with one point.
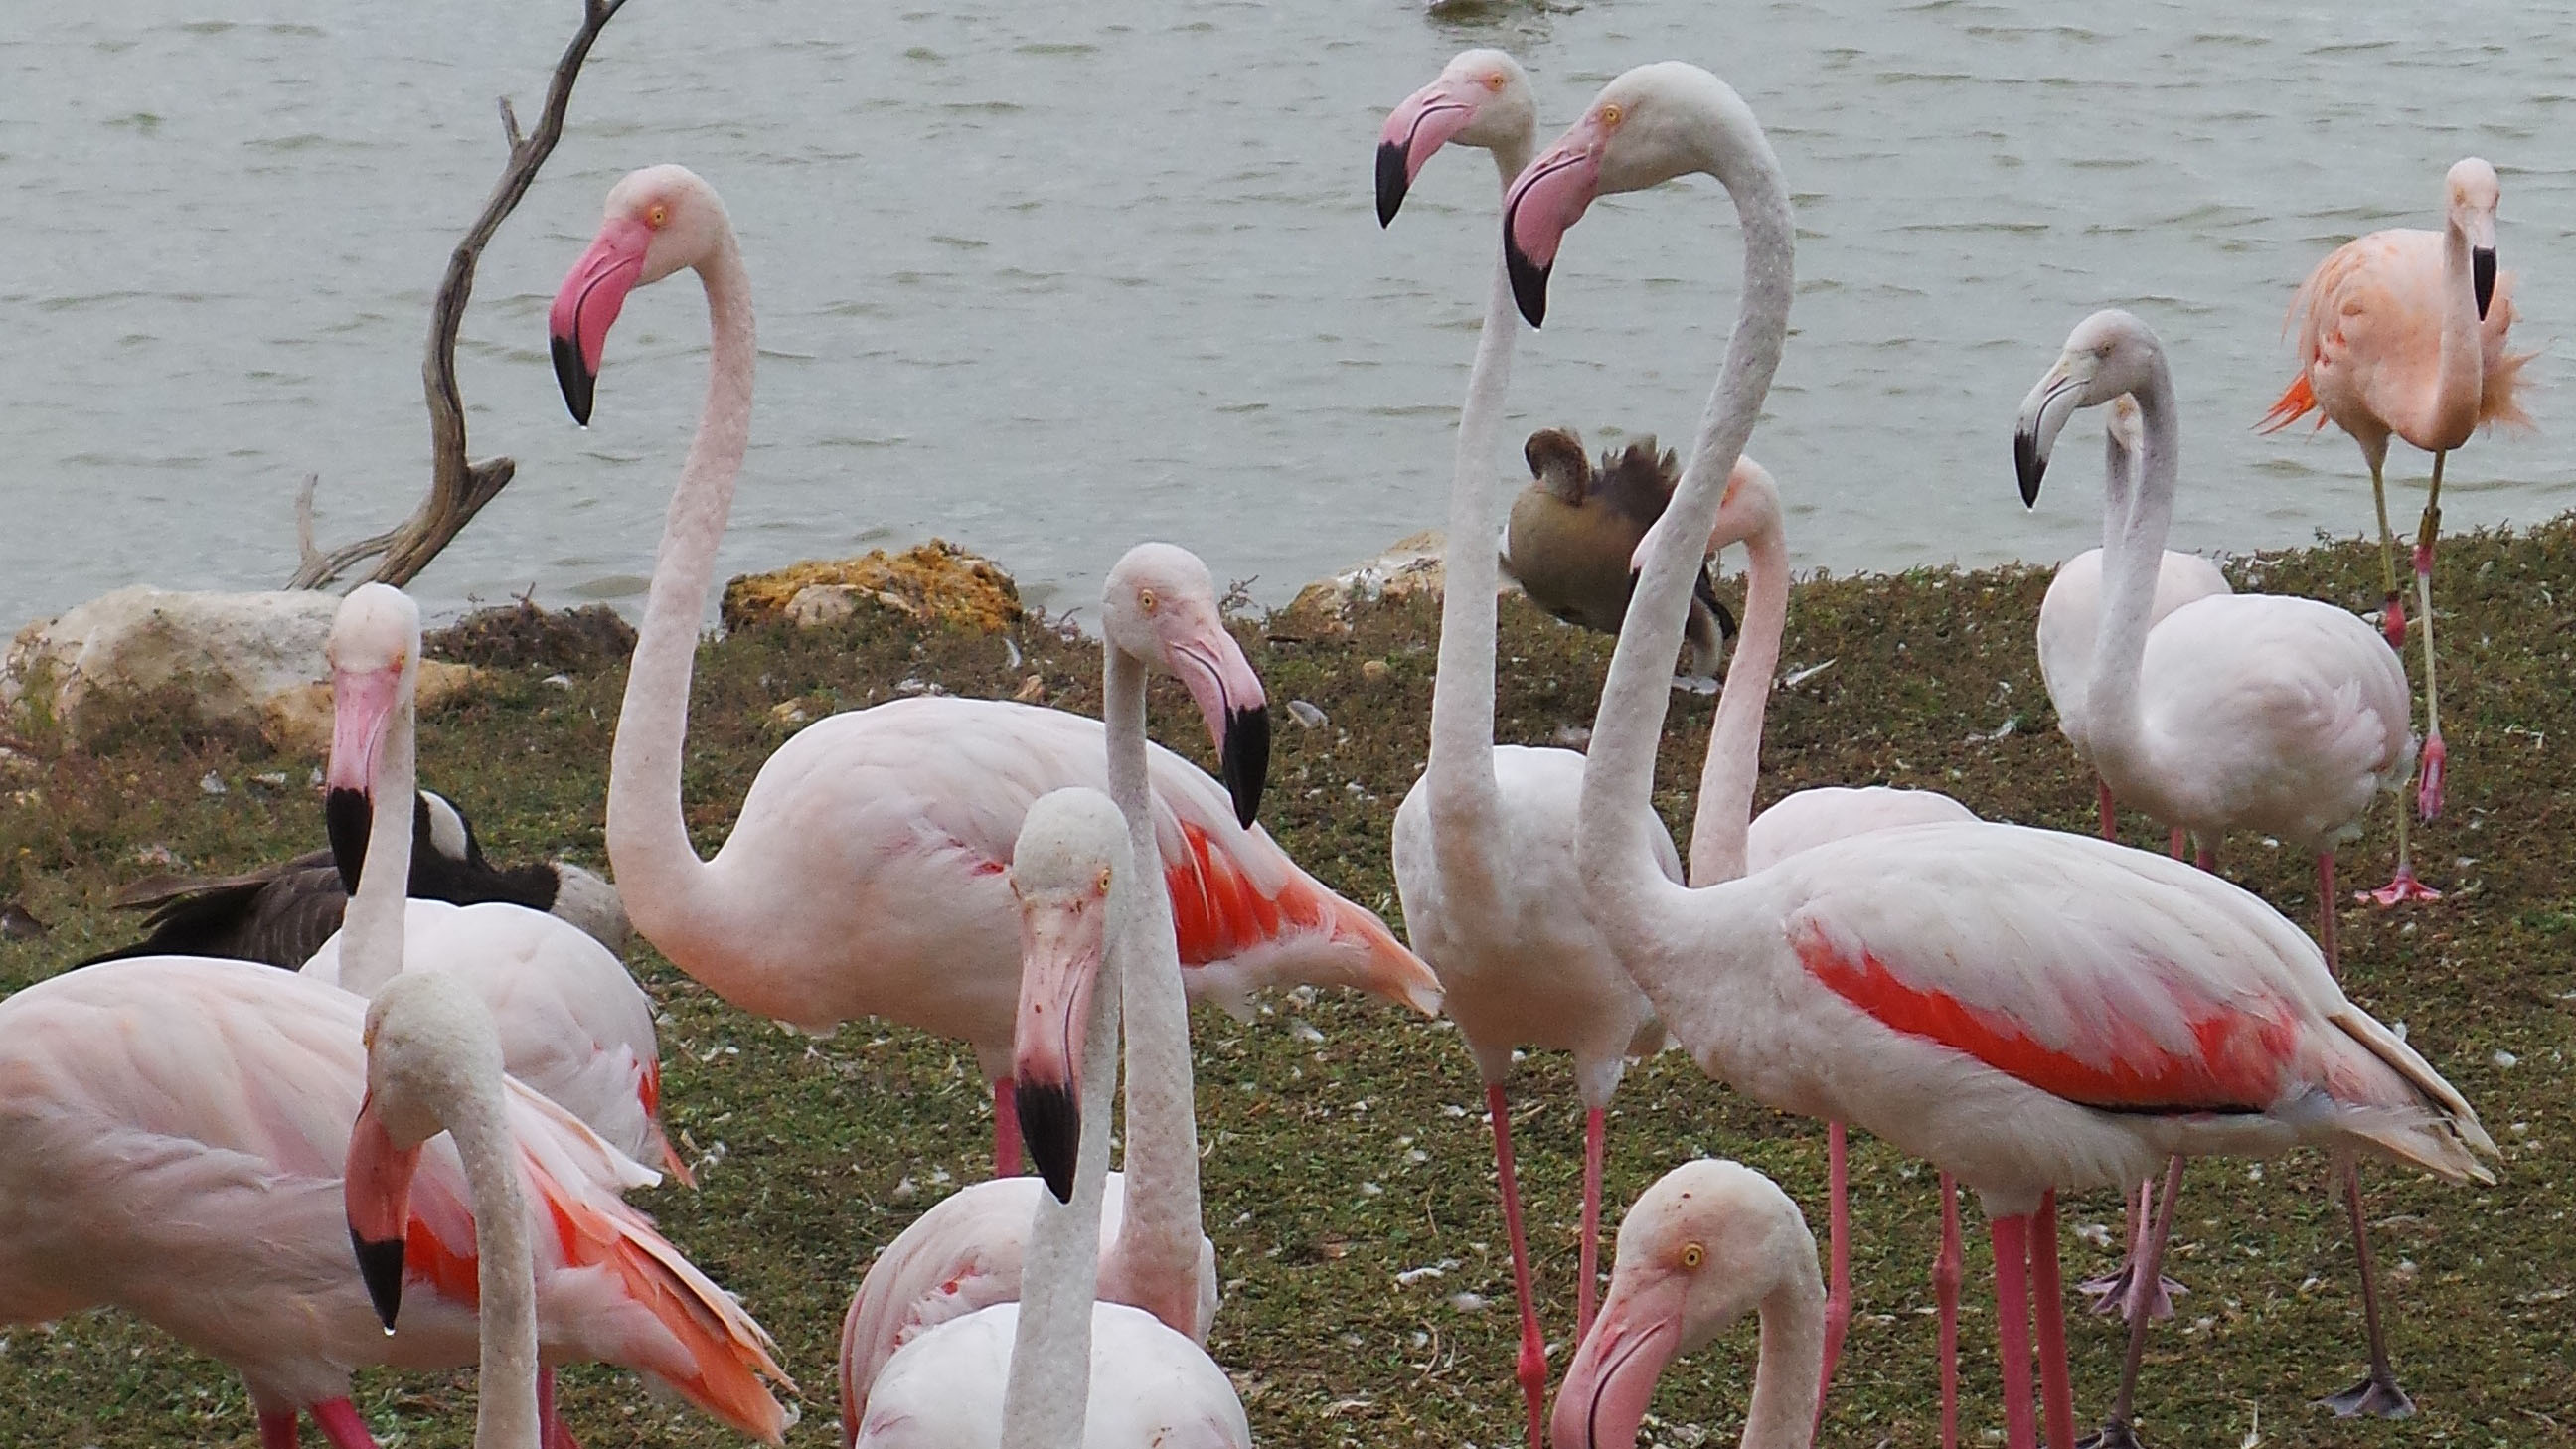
(1047, 280)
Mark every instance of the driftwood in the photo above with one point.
(458, 489)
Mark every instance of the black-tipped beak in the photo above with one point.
(381, 1265)
(1244, 761)
(1529, 279)
(2482, 275)
(1391, 180)
(347, 816)
(2028, 463)
(578, 382)
(1051, 1127)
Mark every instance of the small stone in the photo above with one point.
(2506, 1059)
(1373, 670)
(1032, 690)
(213, 784)
(1307, 714)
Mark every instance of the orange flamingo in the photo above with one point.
(2403, 331)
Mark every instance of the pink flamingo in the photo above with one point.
(865, 874)
(172, 1141)
(2403, 332)
(1709, 1242)
(969, 1251)
(2258, 712)
(2025, 1009)
(1483, 843)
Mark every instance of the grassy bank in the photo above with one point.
(1336, 1163)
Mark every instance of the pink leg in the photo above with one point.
(2326, 912)
(2055, 1395)
(2110, 815)
(2428, 788)
(1531, 1370)
(277, 1429)
(2207, 859)
(2428, 795)
(1838, 1301)
(2012, 1327)
(1593, 1133)
(2116, 1432)
(1006, 1129)
(551, 1424)
(1947, 1269)
(339, 1422)
(2177, 844)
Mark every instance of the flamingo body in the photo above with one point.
(2070, 614)
(1151, 1388)
(2370, 345)
(1809, 818)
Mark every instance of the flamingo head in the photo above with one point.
(2109, 354)
(1160, 606)
(374, 649)
(1646, 127)
(430, 1045)
(1072, 844)
(1482, 99)
(2471, 192)
(658, 220)
(1709, 1241)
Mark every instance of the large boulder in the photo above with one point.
(1410, 566)
(935, 581)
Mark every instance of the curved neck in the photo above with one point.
(2133, 552)
(1466, 806)
(1619, 869)
(1735, 735)
(505, 1410)
(2460, 381)
(658, 870)
(1158, 1237)
(371, 933)
(1790, 1373)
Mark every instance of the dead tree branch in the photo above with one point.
(458, 489)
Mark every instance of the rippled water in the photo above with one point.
(1047, 279)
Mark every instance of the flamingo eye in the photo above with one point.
(1494, 82)
(1145, 600)
(659, 215)
(1612, 114)
(1693, 1255)
(1101, 886)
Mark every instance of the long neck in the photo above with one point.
(1735, 736)
(1466, 806)
(1158, 1238)
(2132, 555)
(1619, 869)
(505, 1411)
(2461, 378)
(371, 933)
(1789, 1375)
(658, 871)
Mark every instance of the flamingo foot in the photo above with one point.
(2428, 790)
(2404, 887)
(2110, 1293)
(2377, 1396)
(2392, 621)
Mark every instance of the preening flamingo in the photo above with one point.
(969, 1251)
(1058, 1367)
(2258, 712)
(2027, 1010)
(864, 874)
(1574, 527)
(1707, 1243)
(172, 1136)
(573, 1024)
(1483, 842)
(2403, 332)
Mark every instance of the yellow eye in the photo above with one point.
(1612, 114)
(1145, 600)
(1494, 82)
(1693, 1255)
(1102, 886)
(658, 215)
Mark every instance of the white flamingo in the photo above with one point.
(2025, 1009)
(864, 875)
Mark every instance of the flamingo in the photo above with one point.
(969, 1251)
(1483, 841)
(2240, 711)
(2027, 1010)
(574, 1025)
(1707, 1243)
(864, 874)
(2403, 332)
(172, 1137)
(1060, 1368)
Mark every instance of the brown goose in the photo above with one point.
(1573, 528)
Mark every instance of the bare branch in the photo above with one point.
(458, 489)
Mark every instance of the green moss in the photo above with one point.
(1315, 1196)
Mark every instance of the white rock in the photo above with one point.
(235, 652)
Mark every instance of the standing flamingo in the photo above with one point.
(1059, 1368)
(1709, 1242)
(969, 1251)
(2255, 712)
(171, 1143)
(2403, 332)
(1483, 841)
(2028, 1010)
(865, 872)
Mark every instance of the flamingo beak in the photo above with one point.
(375, 1191)
(362, 711)
(1429, 119)
(1231, 700)
(1062, 939)
(577, 325)
(2043, 417)
(1607, 1387)
(2482, 277)
(1549, 196)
